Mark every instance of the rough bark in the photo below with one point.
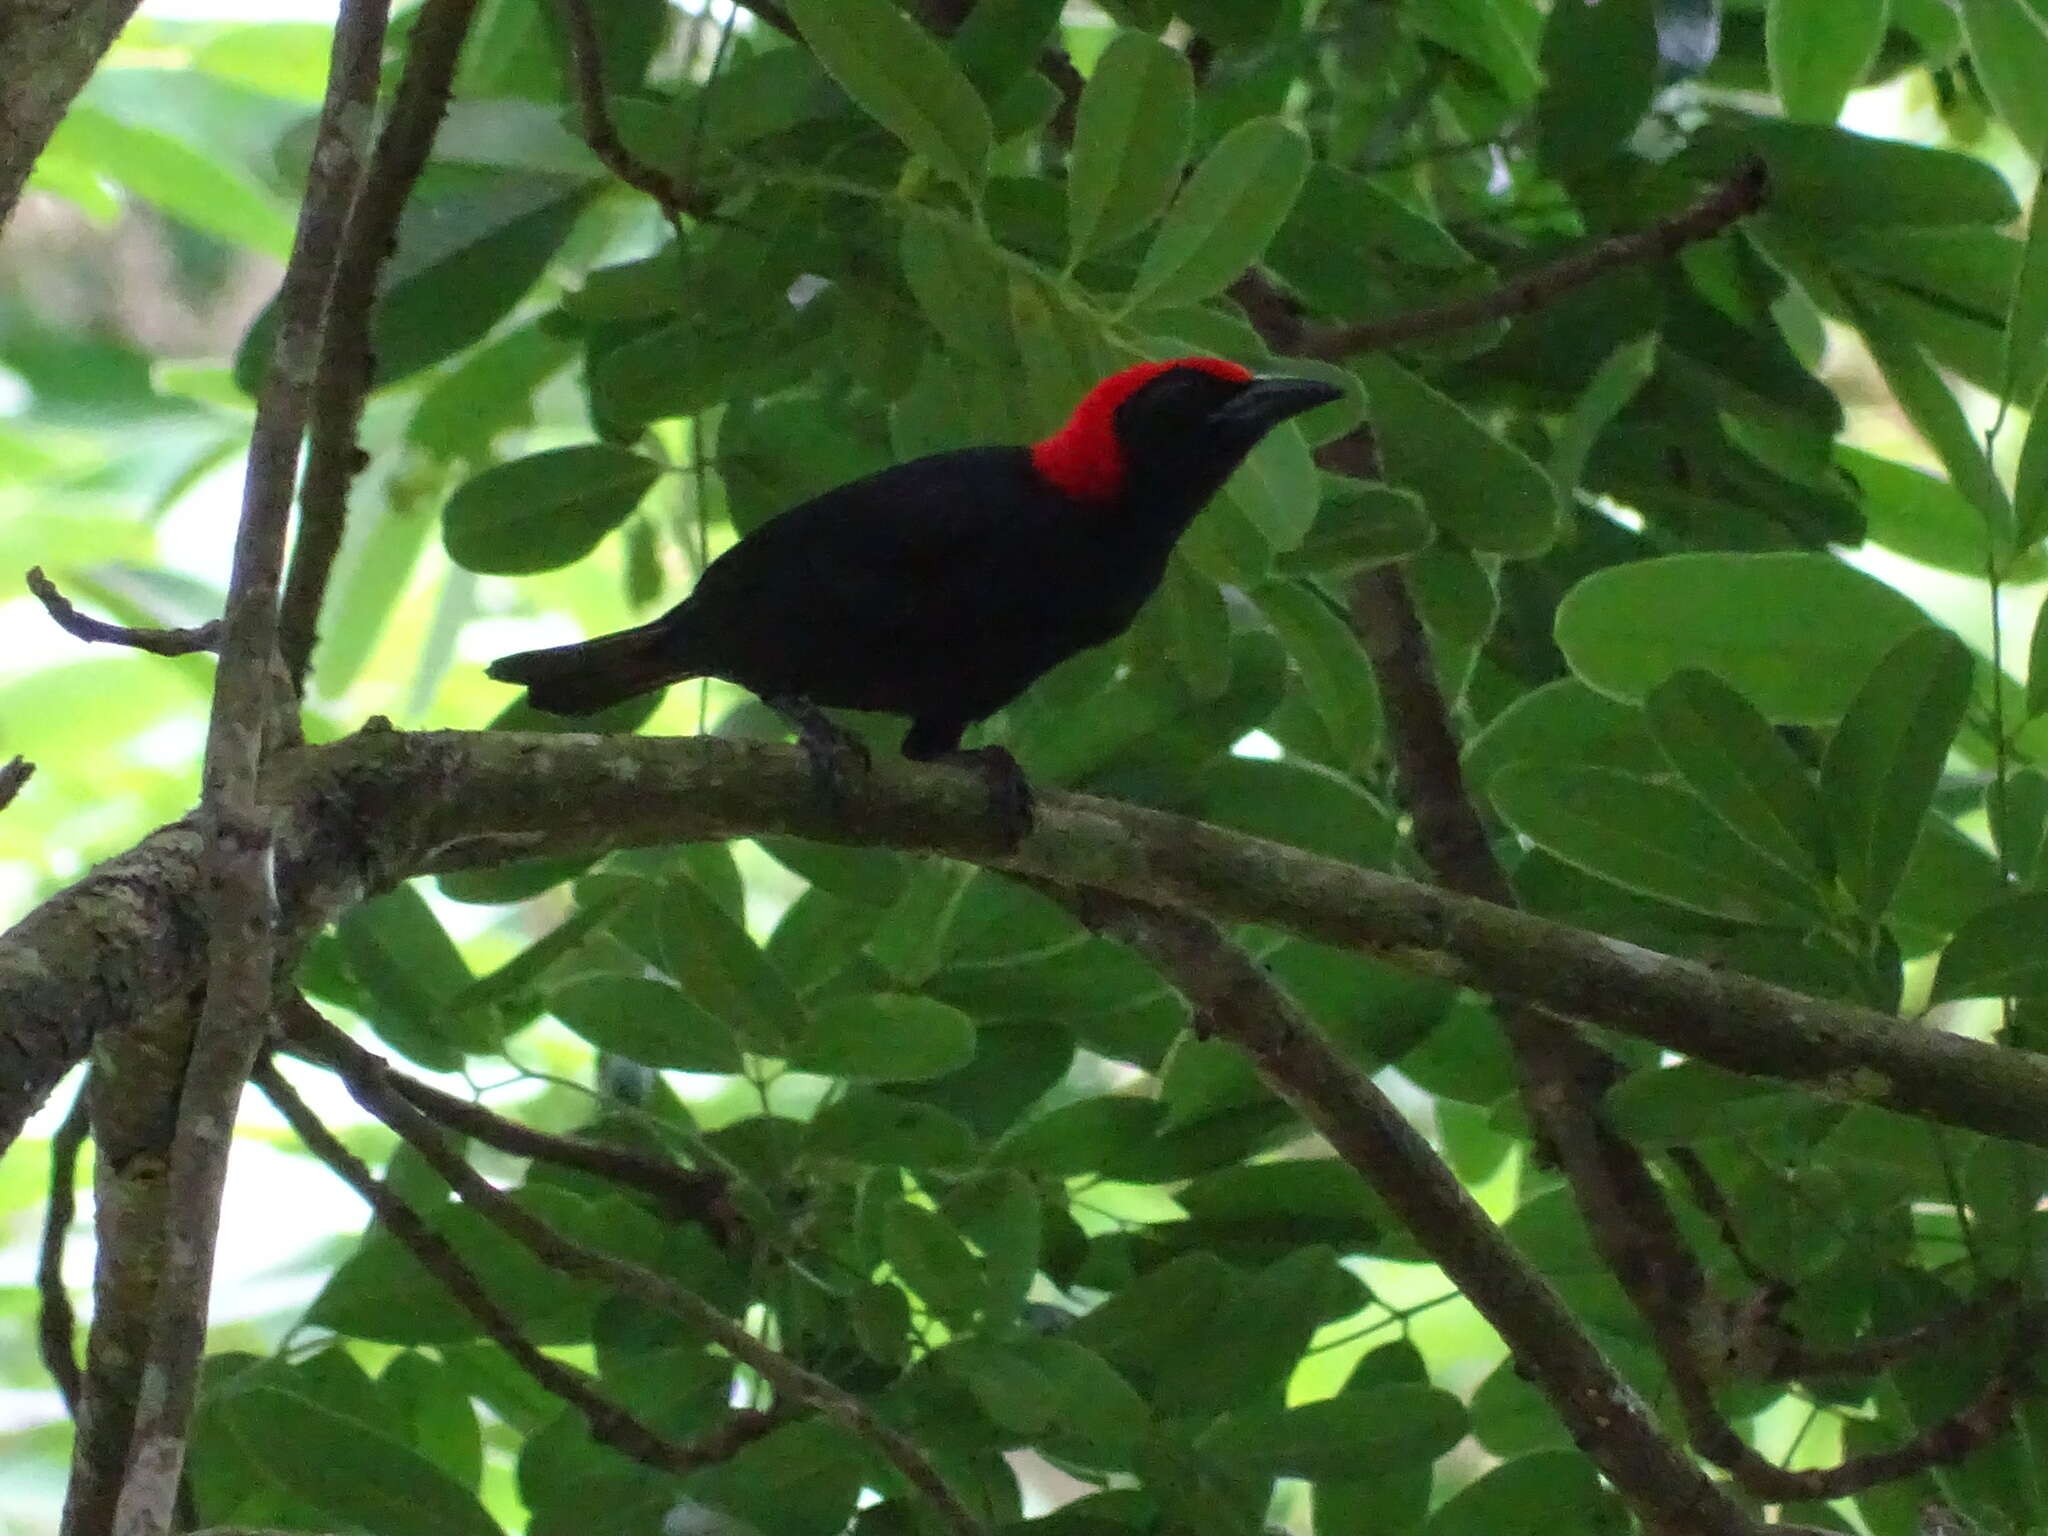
(50, 47)
(367, 812)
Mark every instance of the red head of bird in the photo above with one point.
(1169, 430)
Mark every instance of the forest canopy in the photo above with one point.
(1522, 1000)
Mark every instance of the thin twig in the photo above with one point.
(608, 1421)
(684, 1194)
(1233, 998)
(57, 1325)
(586, 69)
(239, 835)
(1743, 193)
(14, 774)
(1866, 1357)
(158, 642)
(347, 366)
(373, 1089)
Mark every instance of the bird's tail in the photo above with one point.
(591, 675)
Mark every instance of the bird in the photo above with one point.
(942, 587)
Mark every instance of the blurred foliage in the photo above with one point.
(988, 1179)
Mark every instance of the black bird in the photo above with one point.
(942, 588)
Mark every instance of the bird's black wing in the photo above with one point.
(886, 593)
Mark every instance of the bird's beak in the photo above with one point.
(1266, 402)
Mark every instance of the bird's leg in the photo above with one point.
(837, 755)
(1010, 800)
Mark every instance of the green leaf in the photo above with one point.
(1793, 633)
(2008, 42)
(1562, 722)
(1923, 517)
(997, 44)
(1094, 1408)
(1997, 953)
(349, 1470)
(1600, 68)
(910, 941)
(1616, 382)
(904, 80)
(403, 957)
(1732, 759)
(880, 1315)
(1482, 488)
(1275, 488)
(1360, 524)
(1225, 215)
(1693, 1101)
(2026, 317)
(1539, 1495)
(1830, 180)
(1356, 1434)
(1820, 50)
(722, 970)
(190, 186)
(884, 1037)
(1333, 668)
(646, 1021)
(1650, 838)
(1130, 141)
(544, 511)
(1933, 409)
(467, 252)
(1488, 34)
(933, 1261)
(1881, 767)
(961, 283)
(880, 1129)
(2030, 482)
(2037, 664)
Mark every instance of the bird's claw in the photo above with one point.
(838, 763)
(1011, 803)
(838, 758)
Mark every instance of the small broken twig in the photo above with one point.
(158, 642)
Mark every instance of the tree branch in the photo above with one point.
(1232, 997)
(346, 366)
(158, 642)
(14, 775)
(361, 814)
(52, 47)
(1743, 193)
(374, 1091)
(608, 1421)
(683, 1194)
(586, 73)
(57, 1324)
(240, 902)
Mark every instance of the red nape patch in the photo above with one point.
(1084, 458)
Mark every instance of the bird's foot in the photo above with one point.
(839, 759)
(1010, 800)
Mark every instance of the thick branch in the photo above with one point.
(51, 47)
(1740, 194)
(1232, 997)
(158, 642)
(241, 906)
(608, 1421)
(346, 366)
(379, 807)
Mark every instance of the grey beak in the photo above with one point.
(1266, 402)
